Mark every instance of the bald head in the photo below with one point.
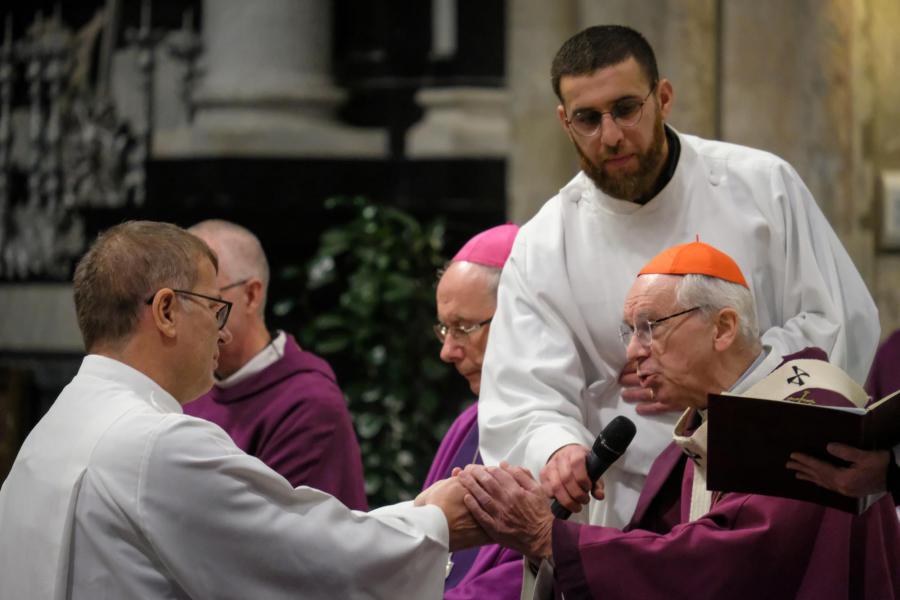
(243, 280)
(240, 253)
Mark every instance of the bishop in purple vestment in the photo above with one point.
(278, 402)
(466, 300)
(689, 323)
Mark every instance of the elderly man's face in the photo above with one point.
(676, 363)
(464, 298)
(624, 162)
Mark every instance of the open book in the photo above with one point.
(752, 435)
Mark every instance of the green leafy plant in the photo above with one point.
(370, 289)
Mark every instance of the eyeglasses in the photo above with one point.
(643, 329)
(626, 112)
(457, 332)
(234, 285)
(221, 313)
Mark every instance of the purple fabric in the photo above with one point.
(746, 546)
(490, 571)
(293, 417)
(884, 378)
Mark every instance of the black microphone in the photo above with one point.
(608, 447)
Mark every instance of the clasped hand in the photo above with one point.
(447, 494)
(504, 504)
(511, 507)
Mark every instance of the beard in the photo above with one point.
(628, 186)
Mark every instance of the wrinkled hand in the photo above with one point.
(633, 393)
(447, 495)
(511, 506)
(565, 478)
(867, 473)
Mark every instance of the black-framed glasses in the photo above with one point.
(626, 112)
(221, 313)
(643, 329)
(234, 285)
(457, 332)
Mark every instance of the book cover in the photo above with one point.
(750, 438)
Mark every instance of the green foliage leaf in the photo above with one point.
(370, 292)
(283, 307)
(332, 344)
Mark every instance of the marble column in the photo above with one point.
(460, 122)
(266, 88)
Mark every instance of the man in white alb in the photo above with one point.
(555, 373)
(118, 494)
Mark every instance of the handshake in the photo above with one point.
(505, 504)
(501, 504)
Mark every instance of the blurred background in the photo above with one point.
(364, 141)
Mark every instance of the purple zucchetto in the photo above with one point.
(490, 247)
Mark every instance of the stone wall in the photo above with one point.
(877, 125)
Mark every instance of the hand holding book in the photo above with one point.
(795, 416)
(865, 473)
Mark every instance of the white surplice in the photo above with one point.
(117, 494)
(550, 375)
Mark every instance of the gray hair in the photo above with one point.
(241, 254)
(712, 294)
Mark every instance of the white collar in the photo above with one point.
(266, 357)
(761, 368)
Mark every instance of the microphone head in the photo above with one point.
(615, 437)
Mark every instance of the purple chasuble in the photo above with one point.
(489, 571)
(293, 417)
(884, 380)
(746, 546)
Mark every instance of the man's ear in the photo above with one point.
(727, 325)
(666, 95)
(163, 312)
(255, 294)
(561, 115)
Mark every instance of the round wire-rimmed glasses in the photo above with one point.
(643, 329)
(626, 112)
(457, 332)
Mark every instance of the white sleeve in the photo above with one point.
(532, 379)
(823, 299)
(224, 525)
